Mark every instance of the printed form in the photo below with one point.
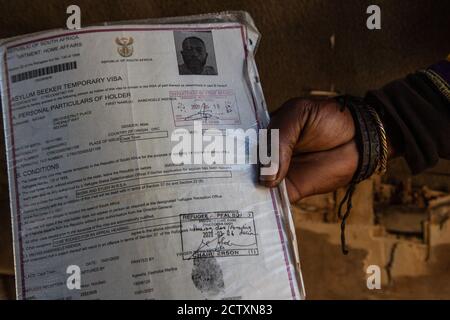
(88, 117)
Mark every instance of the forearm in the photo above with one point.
(416, 115)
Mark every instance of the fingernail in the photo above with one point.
(267, 177)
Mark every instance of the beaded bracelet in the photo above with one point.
(371, 142)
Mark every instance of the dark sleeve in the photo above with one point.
(416, 114)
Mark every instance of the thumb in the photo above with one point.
(289, 120)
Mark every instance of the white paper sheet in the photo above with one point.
(88, 118)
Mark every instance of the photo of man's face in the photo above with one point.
(194, 54)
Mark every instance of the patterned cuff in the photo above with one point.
(439, 74)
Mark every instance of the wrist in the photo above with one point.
(394, 143)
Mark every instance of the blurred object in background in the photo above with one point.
(7, 288)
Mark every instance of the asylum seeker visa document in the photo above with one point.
(99, 210)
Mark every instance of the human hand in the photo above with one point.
(318, 153)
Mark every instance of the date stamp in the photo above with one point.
(211, 106)
(218, 234)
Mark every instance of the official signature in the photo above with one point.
(221, 240)
(202, 114)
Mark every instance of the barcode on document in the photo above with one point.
(44, 71)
